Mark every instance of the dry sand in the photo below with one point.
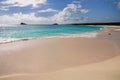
(62, 59)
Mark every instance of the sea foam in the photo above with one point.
(20, 32)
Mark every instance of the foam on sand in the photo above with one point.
(85, 35)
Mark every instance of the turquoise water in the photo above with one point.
(18, 32)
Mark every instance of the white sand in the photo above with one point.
(61, 59)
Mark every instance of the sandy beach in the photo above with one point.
(63, 58)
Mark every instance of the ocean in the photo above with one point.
(21, 32)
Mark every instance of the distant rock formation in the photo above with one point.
(55, 24)
(23, 23)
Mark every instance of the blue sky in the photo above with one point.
(61, 11)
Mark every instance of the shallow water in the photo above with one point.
(17, 32)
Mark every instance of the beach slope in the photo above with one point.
(60, 59)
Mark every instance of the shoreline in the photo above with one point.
(94, 34)
(84, 35)
(111, 34)
(52, 57)
(70, 47)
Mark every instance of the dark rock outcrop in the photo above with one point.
(55, 24)
(23, 23)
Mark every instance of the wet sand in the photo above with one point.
(62, 58)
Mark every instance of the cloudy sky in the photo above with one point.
(60, 11)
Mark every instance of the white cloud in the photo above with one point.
(23, 3)
(84, 11)
(16, 18)
(48, 10)
(4, 8)
(60, 17)
(66, 12)
(118, 4)
(69, 11)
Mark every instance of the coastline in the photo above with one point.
(84, 35)
(25, 59)
(87, 33)
(111, 34)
